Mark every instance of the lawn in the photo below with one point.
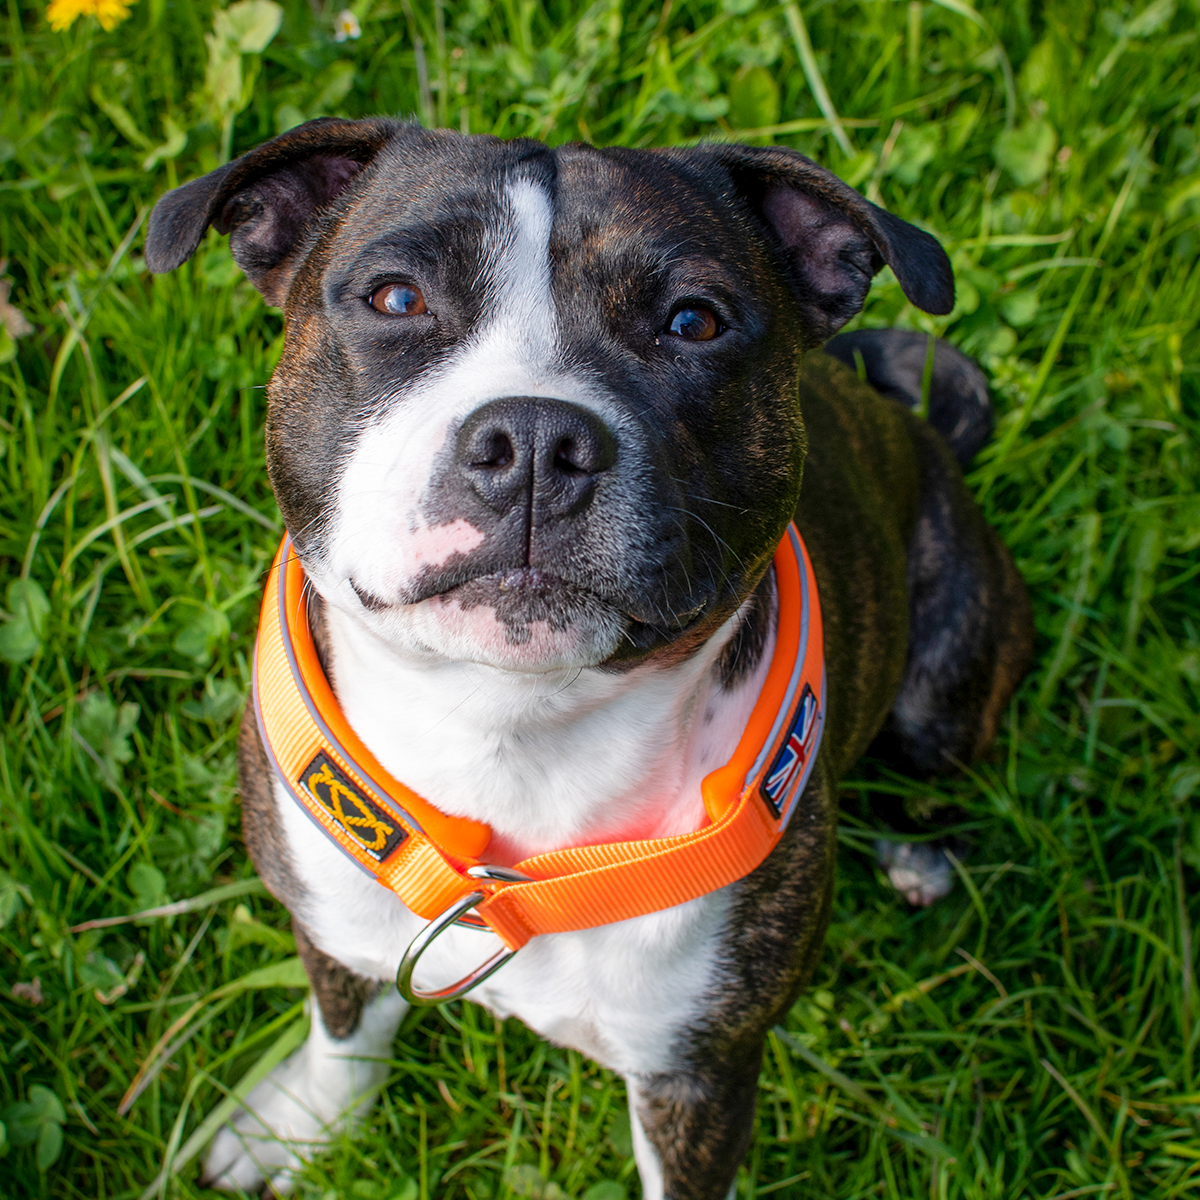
(1033, 1035)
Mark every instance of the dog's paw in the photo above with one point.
(286, 1119)
(919, 871)
(326, 1087)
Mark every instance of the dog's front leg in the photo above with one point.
(329, 1083)
(692, 1127)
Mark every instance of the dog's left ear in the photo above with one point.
(267, 199)
(835, 240)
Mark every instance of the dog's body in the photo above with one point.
(537, 490)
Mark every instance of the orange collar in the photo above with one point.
(424, 856)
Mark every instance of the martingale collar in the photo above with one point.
(437, 864)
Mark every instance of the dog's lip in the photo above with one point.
(524, 579)
(506, 579)
(369, 601)
(513, 578)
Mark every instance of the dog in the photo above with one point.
(541, 423)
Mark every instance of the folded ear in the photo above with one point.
(267, 199)
(834, 239)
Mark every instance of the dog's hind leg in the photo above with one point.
(970, 626)
(970, 644)
(326, 1086)
(894, 362)
(970, 629)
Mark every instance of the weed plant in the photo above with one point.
(1033, 1035)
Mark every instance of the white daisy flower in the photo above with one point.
(345, 25)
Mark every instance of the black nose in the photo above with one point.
(547, 454)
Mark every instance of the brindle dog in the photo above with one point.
(541, 419)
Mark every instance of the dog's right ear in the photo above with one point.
(266, 200)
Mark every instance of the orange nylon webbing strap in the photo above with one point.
(422, 854)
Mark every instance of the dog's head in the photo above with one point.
(538, 407)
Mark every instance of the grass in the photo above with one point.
(1035, 1034)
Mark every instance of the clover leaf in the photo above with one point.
(36, 1120)
(24, 625)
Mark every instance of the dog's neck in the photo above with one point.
(561, 759)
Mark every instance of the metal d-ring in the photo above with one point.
(454, 916)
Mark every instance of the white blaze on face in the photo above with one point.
(523, 327)
(381, 539)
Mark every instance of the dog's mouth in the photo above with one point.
(523, 596)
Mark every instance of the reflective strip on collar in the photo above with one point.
(422, 854)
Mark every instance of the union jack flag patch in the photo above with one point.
(788, 769)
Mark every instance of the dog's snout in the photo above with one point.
(535, 451)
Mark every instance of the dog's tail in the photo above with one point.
(893, 360)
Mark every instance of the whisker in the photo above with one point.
(449, 713)
(715, 536)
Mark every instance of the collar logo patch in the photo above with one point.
(788, 768)
(375, 830)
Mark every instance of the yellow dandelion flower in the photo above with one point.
(110, 13)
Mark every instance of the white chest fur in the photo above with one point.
(618, 993)
(548, 762)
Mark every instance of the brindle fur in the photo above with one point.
(262, 830)
(745, 648)
(341, 994)
(959, 405)
(910, 578)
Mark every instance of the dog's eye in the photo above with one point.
(695, 325)
(398, 300)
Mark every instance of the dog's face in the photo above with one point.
(537, 408)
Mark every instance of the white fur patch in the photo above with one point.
(620, 993)
(379, 536)
(326, 1086)
(648, 1162)
(920, 872)
(548, 762)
